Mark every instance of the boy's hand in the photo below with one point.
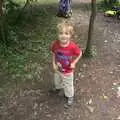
(59, 65)
(55, 67)
(72, 65)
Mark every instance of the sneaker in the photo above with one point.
(55, 91)
(69, 102)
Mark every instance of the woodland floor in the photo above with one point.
(95, 79)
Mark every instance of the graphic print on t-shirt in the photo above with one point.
(63, 59)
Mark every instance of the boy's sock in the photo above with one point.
(70, 101)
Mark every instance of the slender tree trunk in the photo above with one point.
(3, 27)
(88, 51)
(1, 12)
(22, 10)
(2, 35)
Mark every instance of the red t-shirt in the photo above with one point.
(64, 55)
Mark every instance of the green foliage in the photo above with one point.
(28, 50)
(12, 69)
(9, 6)
(107, 4)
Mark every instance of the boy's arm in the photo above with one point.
(76, 60)
(53, 56)
(53, 62)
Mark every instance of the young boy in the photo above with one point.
(63, 51)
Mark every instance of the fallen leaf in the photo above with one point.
(79, 74)
(35, 106)
(35, 113)
(118, 51)
(84, 65)
(91, 109)
(115, 84)
(118, 88)
(118, 118)
(89, 102)
(105, 97)
(105, 41)
(111, 72)
(49, 115)
(118, 92)
(82, 76)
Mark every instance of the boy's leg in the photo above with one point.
(68, 88)
(57, 83)
(58, 80)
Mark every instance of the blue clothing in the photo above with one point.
(64, 7)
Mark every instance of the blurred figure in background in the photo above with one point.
(64, 8)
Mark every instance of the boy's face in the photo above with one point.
(64, 35)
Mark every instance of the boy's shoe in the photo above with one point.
(55, 91)
(65, 15)
(59, 15)
(68, 15)
(69, 103)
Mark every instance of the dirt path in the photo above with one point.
(94, 99)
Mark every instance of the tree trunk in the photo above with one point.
(1, 12)
(88, 51)
(22, 10)
(3, 35)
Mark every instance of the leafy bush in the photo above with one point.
(107, 4)
(9, 6)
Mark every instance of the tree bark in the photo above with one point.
(3, 28)
(1, 12)
(88, 51)
(22, 10)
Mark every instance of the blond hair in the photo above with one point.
(67, 25)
